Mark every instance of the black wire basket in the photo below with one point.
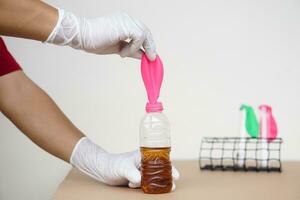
(240, 154)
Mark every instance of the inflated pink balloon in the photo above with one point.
(270, 123)
(152, 74)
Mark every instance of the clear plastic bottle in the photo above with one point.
(155, 144)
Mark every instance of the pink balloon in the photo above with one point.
(152, 74)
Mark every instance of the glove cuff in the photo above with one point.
(66, 30)
(51, 37)
(83, 149)
(88, 157)
(75, 149)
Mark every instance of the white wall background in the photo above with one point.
(217, 54)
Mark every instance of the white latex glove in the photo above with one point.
(117, 33)
(111, 169)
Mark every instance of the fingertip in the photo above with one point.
(137, 159)
(151, 55)
(138, 54)
(134, 185)
(175, 173)
(173, 186)
(134, 176)
(149, 46)
(126, 51)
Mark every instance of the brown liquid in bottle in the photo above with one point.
(156, 170)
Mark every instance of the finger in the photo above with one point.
(117, 49)
(113, 49)
(132, 185)
(138, 54)
(137, 39)
(133, 175)
(148, 44)
(137, 159)
(173, 186)
(175, 173)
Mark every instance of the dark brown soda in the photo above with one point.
(156, 170)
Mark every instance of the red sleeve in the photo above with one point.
(7, 62)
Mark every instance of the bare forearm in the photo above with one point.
(31, 19)
(36, 115)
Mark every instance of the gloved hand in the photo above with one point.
(111, 169)
(118, 33)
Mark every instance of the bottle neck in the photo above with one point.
(154, 107)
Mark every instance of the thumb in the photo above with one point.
(175, 173)
(173, 186)
(134, 177)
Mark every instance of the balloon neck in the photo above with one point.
(154, 107)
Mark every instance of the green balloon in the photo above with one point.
(252, 125)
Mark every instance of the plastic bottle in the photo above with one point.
(155, 144)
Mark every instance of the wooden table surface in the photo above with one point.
(194, 184)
